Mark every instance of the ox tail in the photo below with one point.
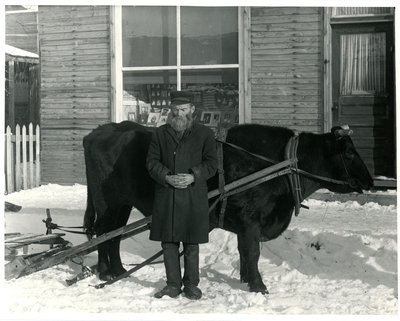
(90, 215)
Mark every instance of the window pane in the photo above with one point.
(353, 11)
(147, 92)
(216, 97)
(148, 36)
(209, 35)
(363, 64)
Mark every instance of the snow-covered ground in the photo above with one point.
(336, 258)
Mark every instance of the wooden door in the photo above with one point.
(362, 91)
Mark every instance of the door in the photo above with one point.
(362, 91)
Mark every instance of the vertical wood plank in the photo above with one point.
(31, 97)
(10, 187)
(31, 183)
(327, 72)
(24, 164)
(245, 65)
(17, 158)
(33, 94)
(37, 94)
(11, 94)
(178, 49)
(242, 71)
(37, 183)
(116, 63)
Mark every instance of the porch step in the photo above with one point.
(381, 197)
(385, 183)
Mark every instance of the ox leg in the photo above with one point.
(249, 249)
(244, 276)
(114, 247)
(115, 258)
(104, 225)
(103, 263)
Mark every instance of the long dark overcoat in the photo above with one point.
(181, 215)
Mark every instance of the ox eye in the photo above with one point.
(349, 154)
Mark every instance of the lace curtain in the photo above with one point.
(363, 64)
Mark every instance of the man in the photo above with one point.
(181, 157)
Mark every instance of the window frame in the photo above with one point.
(117, 68)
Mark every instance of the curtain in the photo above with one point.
(363, 64)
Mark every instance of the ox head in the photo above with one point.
(345, 163)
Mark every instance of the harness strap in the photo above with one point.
(296, 176)
(222, 212)
(322, 178)
(210, 208)
(221, 184)
(288, 153)
(250, 153)
(293, 175)
(294, 179)
(300, 171)
(258, 181)
(52, 226)
(221, 178)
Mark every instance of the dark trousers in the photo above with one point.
(173, 266)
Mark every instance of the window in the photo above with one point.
(363, 64)
(180, 48)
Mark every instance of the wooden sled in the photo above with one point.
(26, 264)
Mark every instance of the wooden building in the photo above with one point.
(22, 67)
(21, 28)
(75, 85)
(21, 88)
(306, 68)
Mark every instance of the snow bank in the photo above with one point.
(335, 259)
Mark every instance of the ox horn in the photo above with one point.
(343, 130)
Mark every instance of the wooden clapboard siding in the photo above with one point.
(76, 88)
(286, 60)
(22, 30)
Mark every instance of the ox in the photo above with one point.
(117, 180)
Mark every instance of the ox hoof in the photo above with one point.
(244, 279)
(262, 290)
(118, 272)
(106, 276)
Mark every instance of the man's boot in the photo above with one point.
(169, 291)
(191, 276)
(172, 269)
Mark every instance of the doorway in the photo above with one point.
(363, 91)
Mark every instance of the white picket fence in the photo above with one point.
(22, 169)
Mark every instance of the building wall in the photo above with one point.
(286, 58)
(21, 31)
(286, 77)
(286, 67)
(75, 85)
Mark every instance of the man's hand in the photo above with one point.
(180, 180)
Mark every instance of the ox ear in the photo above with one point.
(341, 131)
(335, 145)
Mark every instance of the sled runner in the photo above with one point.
(21, 266)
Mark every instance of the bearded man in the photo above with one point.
(181, 157)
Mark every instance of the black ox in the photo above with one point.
(117, 180)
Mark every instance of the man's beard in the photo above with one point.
(181, 123)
